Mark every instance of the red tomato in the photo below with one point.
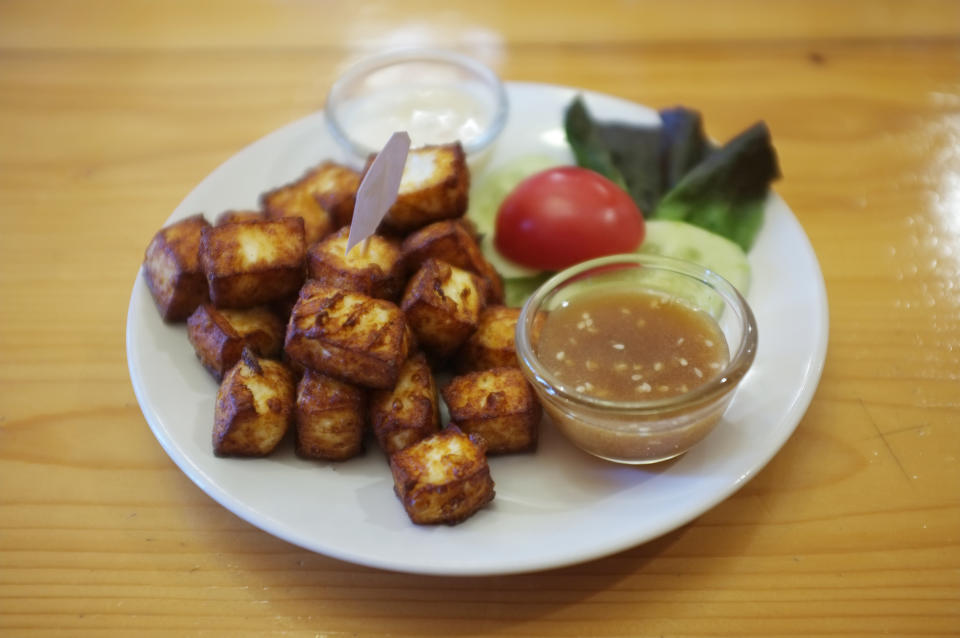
(565, 215)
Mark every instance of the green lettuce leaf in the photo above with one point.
(586, 143)
(725, 193)
(674, 172)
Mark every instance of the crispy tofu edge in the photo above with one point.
(418, 416)
(511, 411)
(467, 487)
(237, 410)
(307, 343)
(320, 396)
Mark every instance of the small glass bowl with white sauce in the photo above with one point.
(436, 96)
(644, 427)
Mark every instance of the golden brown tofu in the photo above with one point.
(348, 335)
(295, 200)
(492, 344)
(410, 411)
(334, 186)
(329, 417)
(451, 241)
(443, 478)
(435, 185)
(235, 216)
(497, 405)
(253, 263)
(254, 407)
(171, 267)
(219, 336)
(442, 304)
(372, 267)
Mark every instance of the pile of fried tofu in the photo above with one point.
(340, 348)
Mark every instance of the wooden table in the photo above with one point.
(111, 112)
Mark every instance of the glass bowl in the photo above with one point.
(645, 428)
(437, 96)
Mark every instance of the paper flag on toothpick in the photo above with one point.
(379, 188)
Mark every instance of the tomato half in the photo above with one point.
(565, 215)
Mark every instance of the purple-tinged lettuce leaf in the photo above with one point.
(726, 192)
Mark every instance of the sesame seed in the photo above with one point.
(680, 341)
(698, 372)
(560, 355)
(708, 343)
(636, 377)
(591, 365)
(620, 366)
(715, 365)
(625, 311)
(618, 346)
(581, 325)
(684, 388)
(658, 366)
(644, 387)
(663, 388)
(682, 361)
(580, 388)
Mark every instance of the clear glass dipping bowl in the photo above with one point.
(649, 431)
(437, 96)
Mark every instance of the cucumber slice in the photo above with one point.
(692, 243)
(490, 189)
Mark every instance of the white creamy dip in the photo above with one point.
(431, 114)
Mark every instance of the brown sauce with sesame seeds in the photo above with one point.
(631, 346)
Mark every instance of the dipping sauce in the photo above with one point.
(631, 346)
(431, 114)
(636, 357)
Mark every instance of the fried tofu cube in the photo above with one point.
(297, 199)
(372, 267)
(442, 304)
(334, 187)
(253, 263)
(171, 267)
(235, 216)
(497, 405)
(348, 335)
(219, 336)
(408, 412)
(451, 241)
(443, 478)
(330, 418)
(492, 344)
(435, 185)
(254, 407)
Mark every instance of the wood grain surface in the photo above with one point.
(110, 112)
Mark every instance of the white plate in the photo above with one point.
(553, 508)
